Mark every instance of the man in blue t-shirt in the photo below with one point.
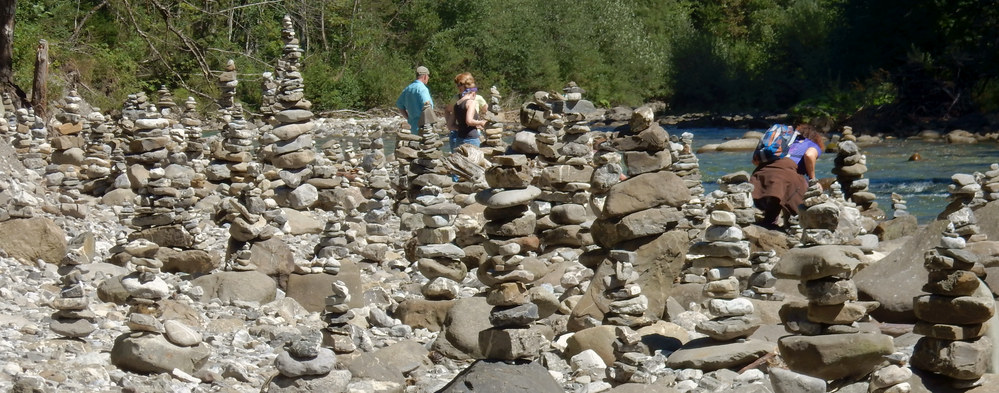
(410, 102)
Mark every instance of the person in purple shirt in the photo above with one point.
(806, 149)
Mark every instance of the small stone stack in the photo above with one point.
(165, 105)
(608, 173)
(68, 155)
(304, 359)
(194, 137)
(632, 358)
(228, 82)
(964, 191)
(234, 153)
(953, 316)
(494, 145)
(510, 228)
(562, 206)
(339, 333)
(626, 304)
(332, 246)
(97, 163)
(724, 252)
(248, 215)
(289, 145)
(73, 318)
(898, 206)
(736, 190)
(990, 183)
(850, 166)
(134, 106)
(269, 92)
(688, 167)
(380, 221)
(7, 117)
(762, 283)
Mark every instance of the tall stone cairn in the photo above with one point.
(165, 105)
(608, 172)
(289, 146)
(68, 124)
(73, 318)
(725, 253)
(688, 167)
(133, 107)
(97, 163)
(830, 344)
(30, 140)
(511, 242)
(737, 191)
(194, 137)
(228, 82)
(268, 97)
(379, 219)
(8, 120)
(333, 244)
(953, 317)
(565, 183)
(494, 145)
(964, 190)
(990, 183)
(850, 166)
(339, 333)
(436, 255)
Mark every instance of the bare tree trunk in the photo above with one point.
(39, 96)
(7, 8)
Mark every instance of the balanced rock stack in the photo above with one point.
(289, 145)
(831, 344)
(68, 155)
(380, 221)
(228, 82)
(736, 190)
(724, 253)
(566, 184)
(510, 228)
(339, 333)
(762, 283)
(850, 166)
(194, 137)
(848, 135)
(493, 144)
(165, 104)
(8, 119)
(632, 362)
(333, 245)
(249, 216)
(97, 163)
(308, 366)
(436, 255)
(30, 140)
(964, 191)
(626, 304)
(268, 98)
(608, 173)
(688, 167)
(898, 206)
(178, 346)
(953, 316)
(133, 107)
(990, 183)
(233, 153)
(73, 318)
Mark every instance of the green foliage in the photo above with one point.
(820, 58)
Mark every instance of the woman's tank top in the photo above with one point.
(464, 130)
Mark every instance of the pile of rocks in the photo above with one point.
(688, 168)
(563, 214)
(333, 245)
(850, 166)
(762, 283)
(165, 104)
(898, 206)
(725, 252)
(194, 137)
(608, 172)
(228, 82)
(990, 183)
(73, 318)
(307, 366)
(735, 190)
(510, 229)
(953, 317)
(626, 305)
(98, 165)
(339, 333)
(68, 124)
(380, 221)
(250, 217)
(493, 143)
(964, 191)
(268, 96)
(30, 140)
(133, 107)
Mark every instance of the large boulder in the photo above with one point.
(273, 257)
(459, 338)
(708, 355)
(811, 263)
(835, 356)
(388, 364)
(250, 286)
(152, 353)
(31, 239)
(645, 191)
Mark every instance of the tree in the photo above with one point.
(7, 9)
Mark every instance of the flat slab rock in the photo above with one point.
(485, 376)
(714, 357)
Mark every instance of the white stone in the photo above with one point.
(730, 308)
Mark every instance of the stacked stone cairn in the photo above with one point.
(228, 82)
(964, 191)
(7, 118)
(762, 283)
(626, 304)
(250, 218)
(380, 221)
(562, 206)
(736, 189)
(953, 318)
(146, 288)
(133, 108)
(494, 145)
(64, 173)
(289, 146)
(194, 137)
(510, 229)
(304, 362)
(831, 344)
(165, 104)
(724, 252)
(73, 318)
(608, 172)
(850, 166)
(234, 152)
(898, 206)
(269, 92)
(98, 166)
(688, 168)
(990, 183)
(436, 255)
(333, 245)
(339, 333)
(29, 140)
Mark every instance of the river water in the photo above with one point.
(922, 183)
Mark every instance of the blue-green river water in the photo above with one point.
(922, 183)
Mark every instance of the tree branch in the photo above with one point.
(79, 26)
